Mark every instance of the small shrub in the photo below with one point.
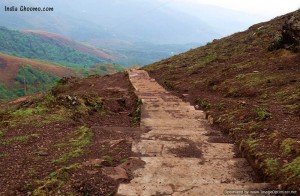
(137, 115)
(204, 104)
(251, 144)
(221, 105)
(287, 146)
(271, 166)
(264, 96)
(262, 112)
(293, 168)
(232, 92)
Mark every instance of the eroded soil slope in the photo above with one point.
(249, 83)
(73, 140)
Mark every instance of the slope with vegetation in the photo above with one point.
(249, 83)
(65, 41)
(20, 76)
(49, 47)
(73, 140)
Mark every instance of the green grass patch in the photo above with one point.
(137, 114)
(293, 168)
(203, 103)
(37, 116)
(55, 180)
(19, 139)
(262, 112)
(28, 112)
(271, 166)
(76, 146)
(287, 146)
(2, 155)
(250, 144)
(2, 132)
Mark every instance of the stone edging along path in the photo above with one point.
(179, 159)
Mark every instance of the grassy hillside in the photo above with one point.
(67, 141)
(50, 47)
(65, 41)
(20, 76)
(249, 83)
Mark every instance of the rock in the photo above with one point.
(69, 98)
(210, 120)
(93, 163)
(92, 172)
(43, 153)
(116, 173)
(243, 102)
(260, 27)
(113, 143)
(291, 31)
(197, 107)
(289, 37)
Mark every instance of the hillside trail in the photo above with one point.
(179, 157)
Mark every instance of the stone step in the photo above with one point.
(192, 171)
(183, 148)
(154, 114)
(157, 132)
(140, 189)
(159, 148)
(179, 158)
(175, 111)
(162, 108)
(170, 122)
(168, 137)
(218, 151)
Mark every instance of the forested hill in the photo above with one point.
(35, 46)
(20, 76)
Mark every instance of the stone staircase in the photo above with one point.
(179, 159)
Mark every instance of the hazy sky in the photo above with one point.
(265, 8)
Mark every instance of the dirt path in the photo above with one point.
(179, 159)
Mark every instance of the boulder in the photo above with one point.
(289, 37)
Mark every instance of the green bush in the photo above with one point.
(262, 112)
(271, 166)
(293, 168)
(204, 104)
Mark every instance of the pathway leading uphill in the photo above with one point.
(179, 159)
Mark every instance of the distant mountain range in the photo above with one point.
(132, 31)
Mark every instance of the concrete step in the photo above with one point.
(183, 148)
(175, 114)
(158, 106)
(179, 158)
(192, 171)
(163, 132)
(170, 122)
